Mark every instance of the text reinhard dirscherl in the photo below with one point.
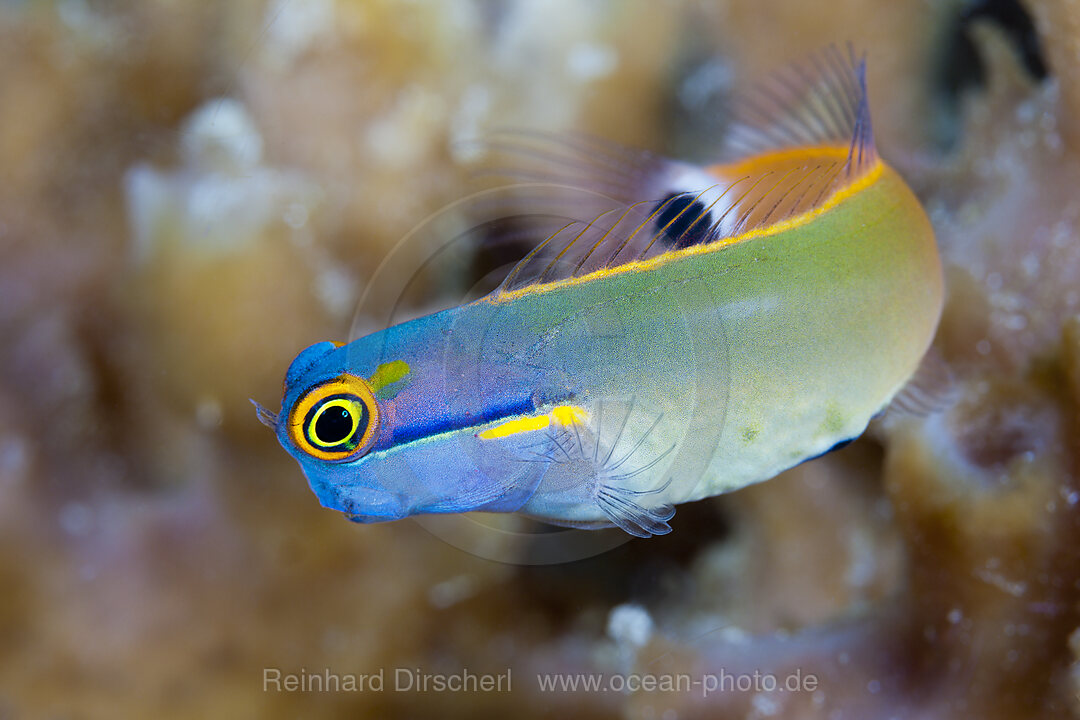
(400, 680)
(417, 680)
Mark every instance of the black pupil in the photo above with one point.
(333, 426)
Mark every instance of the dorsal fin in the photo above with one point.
(613, 238)
(821, 101)
(727, 209)
(799, 138)
(818, 102)
(569, 159)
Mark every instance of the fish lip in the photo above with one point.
(371, 519)
(362, 504)
(382, 514)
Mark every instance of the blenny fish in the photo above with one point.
(719, 325)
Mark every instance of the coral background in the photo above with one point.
(192, 192)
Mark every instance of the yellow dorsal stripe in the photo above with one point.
(748, 165)
(858, 185)
(562, 414)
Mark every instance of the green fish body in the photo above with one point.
(722, 325)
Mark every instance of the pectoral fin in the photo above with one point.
(603, 475)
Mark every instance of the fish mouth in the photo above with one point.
(370, 519)
(361, 504)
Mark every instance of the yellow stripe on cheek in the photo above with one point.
(513, 427)
(563, 414)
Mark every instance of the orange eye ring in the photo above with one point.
(336, 420)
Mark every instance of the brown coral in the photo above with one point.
(159, 551)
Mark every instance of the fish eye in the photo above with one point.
(335, 420)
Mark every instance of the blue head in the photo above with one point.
(382, 430)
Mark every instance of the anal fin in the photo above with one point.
(930, 390)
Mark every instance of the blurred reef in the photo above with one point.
(191, 192)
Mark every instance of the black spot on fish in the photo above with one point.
(680, 222)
